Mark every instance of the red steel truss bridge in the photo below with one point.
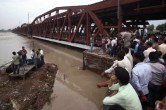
(76, 24)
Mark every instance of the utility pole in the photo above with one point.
(19, 24)
(30, 32)
(119, 16)
(28, 26)
(118, 10)
(28, 17)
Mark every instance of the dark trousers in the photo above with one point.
(42, 59)
(24, 59)
(16, 69)
(113, 107)
(106, 107)
(113, 51)
(155, 93)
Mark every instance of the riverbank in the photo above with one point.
(30, 93)
(79, 87)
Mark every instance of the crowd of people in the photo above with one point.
(20, 59)
(137, 78)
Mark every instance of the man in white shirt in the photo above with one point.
(15, 62)
(126, 95)
(148, 50)
(114, 42)
(32, 61)
(122, 61)
(128, 55)
(127, 38)
(162, 46)
(113, 46)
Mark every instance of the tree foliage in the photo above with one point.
(161, 27)
(150, 28)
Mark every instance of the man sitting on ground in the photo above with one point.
(126, 95)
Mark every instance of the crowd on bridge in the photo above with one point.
(20, 59)
(137, 78)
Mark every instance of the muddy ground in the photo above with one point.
(30, 93)
(72, 86)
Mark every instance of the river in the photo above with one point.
(74, 88)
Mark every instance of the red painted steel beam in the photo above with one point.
(60, 8)
(110, 4)
(97, 6)
(72, 7)
(74, 23)
(147, 11)
(98, 23)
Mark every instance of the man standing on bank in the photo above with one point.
(24, 55)
(41, 56)
(15, 62)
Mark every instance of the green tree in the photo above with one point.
(161, 27)
(150, 28)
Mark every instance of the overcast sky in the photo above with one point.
(15, 12)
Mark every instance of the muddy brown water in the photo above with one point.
(74, 88)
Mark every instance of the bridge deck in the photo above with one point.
(77, 45)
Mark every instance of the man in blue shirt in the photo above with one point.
(141, 75)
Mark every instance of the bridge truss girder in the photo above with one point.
(106, 18)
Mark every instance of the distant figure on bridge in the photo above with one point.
(91, 44)
(24, 55)
(104, 42)
(113, 46)
(126, 36)
(137, 34)
(108, 42)
(15, 63)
